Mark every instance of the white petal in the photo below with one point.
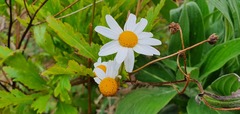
(146, 50)
(113, 24)
(150, 41)
(109, 33)
(121, 55)
(141, 26)
(97, 80)
(109, 48)
(129, 61)
(130, 23)
(142, 50)
(112, 69)
(98, 62)
(145, 35)
(100, 73)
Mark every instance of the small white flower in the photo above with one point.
(107, 84)
(125, 42)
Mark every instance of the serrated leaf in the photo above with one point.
(135, 102)
(63, 108)
(226, 84)
(153, 14)
(40, 103)
(14, 98)
(218, 56)
(23, 71)
(43, 39)
(73, 68)
(62, 88)
(5, 52)
(67, 34)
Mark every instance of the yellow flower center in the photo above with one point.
(128, 39)
(108, 86)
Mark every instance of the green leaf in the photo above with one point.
(43, 39)
(145, 101)
(62, 88)
(169, 4)
(234, 7)
(67, 34)
(153, 14)
(73, 68)
(154, 73)
(23, 71)
(218, 56)
(194, 108)
(5, 52)
(14, 98)
(222, 6)
(41, 103)
(63, 108)
(226, 84)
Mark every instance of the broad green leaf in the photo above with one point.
(226, 84)
(145, 101)
(41, 103)
(62, 88)
(218, 56)
(203, 5)
(153, 73)
(197, 32)
(14, 98)
(169, 4)
(193, 71)
(234, 7)
(63, 108)
(190, 19)
(222, 6)
(67, 34)
(5, 52)
(43, 39)
(24, 71)
(194, 108)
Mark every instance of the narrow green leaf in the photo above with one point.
(153, 14)
(226, 84)
(218, 56)
(145, 101)
(67, 34)
(41, 103)
(63, 108)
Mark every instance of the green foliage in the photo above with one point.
(63, 108)
(218, 56)
(135, 102)
(41, 103)
(67, 34)
(226, 84)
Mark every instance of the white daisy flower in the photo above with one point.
(125, 42)
(100, 64)
(107, 84)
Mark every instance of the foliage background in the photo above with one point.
(47, 55)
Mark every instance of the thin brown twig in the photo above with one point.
(174, 54)
(183, 46)
(7, 3)
(30, 24)
(66, 8)
(25, 5)
(10, 23)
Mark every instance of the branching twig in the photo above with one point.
(30, 24)
(66, 8)
(10, 22)
(25, 5)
